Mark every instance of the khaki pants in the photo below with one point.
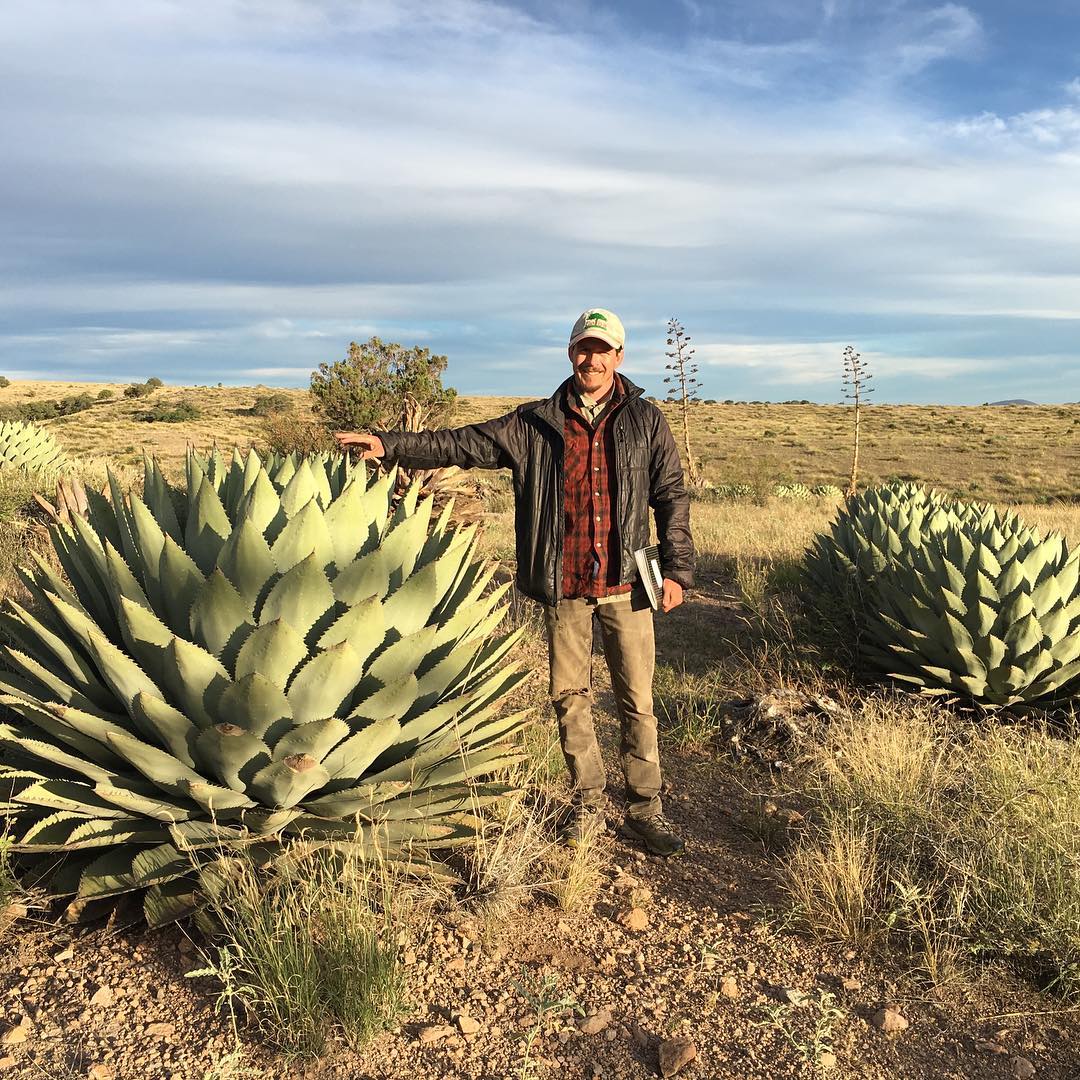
(627, 633)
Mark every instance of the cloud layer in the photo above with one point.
(227, 191)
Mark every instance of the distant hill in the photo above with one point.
(1014, 401)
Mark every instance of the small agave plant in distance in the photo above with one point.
(29, 447)
(273, 653)
(956, 599)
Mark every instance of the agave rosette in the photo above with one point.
(273, 652)
(29, 447)
(955, 598)
(985, 608)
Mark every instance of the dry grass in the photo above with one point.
(1001, 453)
(960, 841)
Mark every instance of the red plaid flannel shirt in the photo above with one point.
(590, 531)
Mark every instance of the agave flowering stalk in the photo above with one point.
(268, 654)
(956, 599)
(29, 447)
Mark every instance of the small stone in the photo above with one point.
(675, 1053)
(827, 1060)
(640, 1036)
(431, 1033)
(636, 920)
(729, 988)
(466, 1024)
(751, 969)
(16, 1033)
(990, 1046)
(457, 964)
(102, 997)
(594, 1024)
(160, 1031)
(852, 984)
(409, 958)
(62, 955)
(100, 1072)
(7, 1063)
(790, 996)
(890, 1020)
(1021, 1067)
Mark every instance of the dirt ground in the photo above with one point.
(708, 954)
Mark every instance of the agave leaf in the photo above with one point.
(302, 597)
(315, 738)
(350, 759)
(257, 705)
(401, 658)
(304, 535)
(404, 541)
(368, 576)
(126, 868)
(362, 626)
(273, 650)
(196, 681)
(261, 507)
(247, 562)
(391, 700)
(169, 901)
(220, 618)
(69, 795)
(180, 583)
(231, 754)
(325, 683)
(285, 783)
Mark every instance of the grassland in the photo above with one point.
(1019, 453)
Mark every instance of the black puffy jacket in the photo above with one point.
(529, 442)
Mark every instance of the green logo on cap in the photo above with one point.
(595, 317)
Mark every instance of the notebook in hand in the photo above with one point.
(648, 564)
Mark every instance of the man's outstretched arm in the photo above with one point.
(475, 446)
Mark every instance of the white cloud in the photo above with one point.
(819, 362)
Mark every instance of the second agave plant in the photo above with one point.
(955, 598)
(271, 652)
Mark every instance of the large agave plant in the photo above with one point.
(29, 447)
(271, 654)
(956, 598)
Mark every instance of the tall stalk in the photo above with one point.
(856, 377)
(684, 378)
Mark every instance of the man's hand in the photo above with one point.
(673, 595)
(371, 446)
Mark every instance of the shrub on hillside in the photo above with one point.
(177, 413)
(4, 382)
(137, 390)
(74, 403)
(153, 382)
(105, 394)
(269, 404)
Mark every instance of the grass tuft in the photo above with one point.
(309, 949)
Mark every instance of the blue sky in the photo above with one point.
(223, 190)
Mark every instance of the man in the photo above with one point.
(587, 463)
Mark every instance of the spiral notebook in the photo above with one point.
(648, 564)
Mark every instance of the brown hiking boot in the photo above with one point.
(655, 833)
(587, 820)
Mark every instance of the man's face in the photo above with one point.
(594, 362)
